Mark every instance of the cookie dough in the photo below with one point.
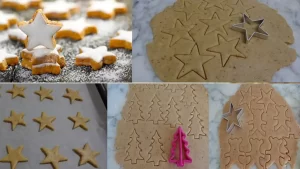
(14, 156)
(45, 121)
(268, 132)
(17, 91)
(72, 95)
(193, 42)
(53, 157)
(150, 117)
(87, 155)
(44, 93)
(15, 119)
(79, 121)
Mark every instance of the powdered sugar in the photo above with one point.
(5, 17)
(41, 51)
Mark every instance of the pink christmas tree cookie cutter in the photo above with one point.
(184, 151)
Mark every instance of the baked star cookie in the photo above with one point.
(60, 9)
(40, 31)
(76, 29)
(14, 156)
(21, 5)
(87, 155)
(95, 57)
(42, 60)
(7, 20)
(17, 35)
(122, 40)
(7, 60)
(106, 9)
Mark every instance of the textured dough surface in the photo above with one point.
(268, 133)
(161, 108)
(189, 33)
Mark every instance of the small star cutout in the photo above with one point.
(79, 121)
(215, 24)
(191, 9)
(87, 155)
(45, 121)
(44, 93)
(247, 97)
(233, 118)
(227, 49)
(15, 119)
(266, 99)
(17, 91)
(72, 95)
(53, 157)
(239, 8)
(216, 3)
(14, 156)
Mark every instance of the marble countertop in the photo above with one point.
(145, 10)
(219, 94)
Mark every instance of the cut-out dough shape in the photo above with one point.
(79, 121)
(53, 157)
(72, 95)
(17, 91)
(87, 155)
(7, 60)
(44, 93)
(122, 40)
(15, 119)
(14, 156)
(40, 31)
(20, 5)
(45, 121)
(106, 9)
(61, 9)
(7, 20)
(95, 57)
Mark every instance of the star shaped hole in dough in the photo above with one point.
(45, 121)
(40, 31)
(17, 91)
(72, 95)
(233, 118)
(15, 119)
(14, 156)
(53, 157)
(79, 121)
(87, 155)
(44, 93)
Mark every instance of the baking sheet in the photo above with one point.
(92, 107)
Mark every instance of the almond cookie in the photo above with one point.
(7, 60)
(20, 5)
(106, 9)
(42, 60)
(7, 20)
(76, 29)
(60, 9)
(17, 35)
(95, 57)
(122, 40)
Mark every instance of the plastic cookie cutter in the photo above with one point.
(260, 33)
(233, 118)
(184, 151)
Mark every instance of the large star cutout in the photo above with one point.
(15, 119)
(251, 28)
(239, 8)
(233, 118)
(193, 62)
(247, 97)
(79, 120)
(40, 31)
(179, 32)
(226, 49)
(53, 157)
(44, 93)
(45, 121)
(266, 99)
(17, 91)
(215, 24)
(190, 9)
(216, 3)
(72, 95)
(14, 156)
(87, 155)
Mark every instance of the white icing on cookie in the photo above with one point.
(4, 55)
(22, 2)
(75, 25)
(59, 6)
(106, 6)
(39, 32)
(41, 51)
(17, 33)
(45, 64)
(124, 35)
(4, 18)
(96, 54)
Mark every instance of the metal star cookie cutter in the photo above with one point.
(226, 115)
(260, 33)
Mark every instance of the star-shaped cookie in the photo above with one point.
(106, 9)
(122, 40)
(45, 121)
(15, 119)
(7, 20)
(87, 155)
(53, 157)
(233, 118)
(7, 59)
(17, 91)
(79, 121)
(44, 93)
(14, 156)
(40, 31)
(72, 95)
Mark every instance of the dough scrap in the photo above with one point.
(151, 116)
(72, 95)
(79, 121)
(53, 157)
(44, 93)
(15, 119)
(87, 155)
(193, 42)
(45, 121)
(14, 156)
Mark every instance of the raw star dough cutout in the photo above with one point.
(87, 155)
(79, 121)
(14, 156)
(193, 40)
(53, 157)
(269, 132)
(72, 95)
(17, 91)
(44, 93)
(15, 119)
(45, 121)
(151, 116)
